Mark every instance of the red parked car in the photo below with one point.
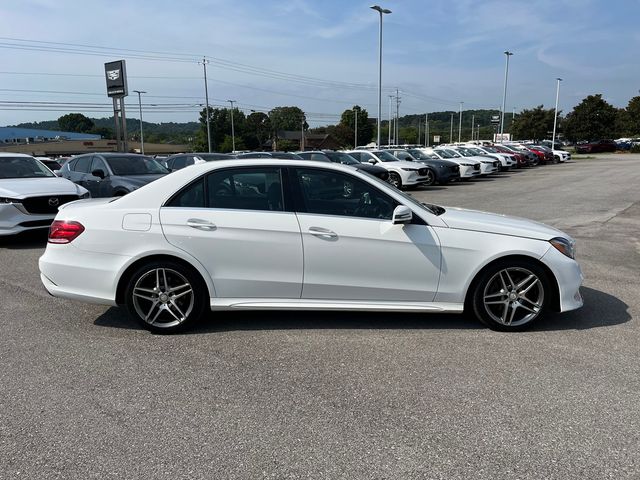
(544, 154)
(520, 159)
(597, 147)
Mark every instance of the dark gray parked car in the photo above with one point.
(112, 174)
(346, 159)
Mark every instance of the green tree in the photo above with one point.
(220, 125)
(365, 129)
(257, 130)
(534, 124)
(633, 113)
(287, 118)
(75, 122)
(592, 119)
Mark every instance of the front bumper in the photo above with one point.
(468, 171)
(14, 220)
(569, 278)
(487, 168)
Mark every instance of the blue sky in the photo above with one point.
(437, 53)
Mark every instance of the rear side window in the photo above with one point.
(246, 189)
(192, 196)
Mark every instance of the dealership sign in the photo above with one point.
(116, 76)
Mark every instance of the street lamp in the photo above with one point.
(504, 95)
(555, 115)
(233, 132)
(381, 11)
(460, 124)
(140, 92)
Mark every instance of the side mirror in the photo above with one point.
(98, 173)
(372, 161)
(57, 173)
(401, 214)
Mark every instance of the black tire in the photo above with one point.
(395, 180)
(165, 296)
(496, 303)
(431, 178)
(556, 159)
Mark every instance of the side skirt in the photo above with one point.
(313, 304)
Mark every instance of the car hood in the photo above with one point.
(138, 181)
(401, 164)
(28, 187)
(477, 221)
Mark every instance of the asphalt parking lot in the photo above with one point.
(84, 393)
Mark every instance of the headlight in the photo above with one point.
(564, 246)
(9, 200)
(466, 164)
(410, 169)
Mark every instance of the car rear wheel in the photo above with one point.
(165, 296)
(511, 295)
(395, 180)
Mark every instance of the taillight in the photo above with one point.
(64, 232)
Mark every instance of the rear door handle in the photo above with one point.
(322, 232)
(201, 224)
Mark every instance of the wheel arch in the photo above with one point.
(130, 269)
(555, 289)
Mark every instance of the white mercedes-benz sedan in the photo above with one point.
(286, 234)
(30, 193)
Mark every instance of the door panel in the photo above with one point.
(367, 259)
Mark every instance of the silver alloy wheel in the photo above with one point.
(513, 296)
(431, 179)
(163, 297)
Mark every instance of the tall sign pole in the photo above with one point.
(116, 76)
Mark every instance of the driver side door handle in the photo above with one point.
(322, 232)
(200, 224)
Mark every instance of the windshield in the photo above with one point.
(385, 156)
(23, 167)
(464, 152)
(475, 151)
(135, 165)
(451, 153)
(213, 156)
(343, 158)
(286, 156)
(420, 155)
(491, 149)
(405, 156)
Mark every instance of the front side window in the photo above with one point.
(336, 193)
(82, 165)
(246, 189)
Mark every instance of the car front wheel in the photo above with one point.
(395, 180)
(165, 296)
(511, 295)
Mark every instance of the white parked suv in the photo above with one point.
(487, 165)
(401, 174)
(30, 194)
(469, 168)
(506, 161)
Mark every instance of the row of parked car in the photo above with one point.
(32, 189)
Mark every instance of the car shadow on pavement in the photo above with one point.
(600, 310)
(25, 240)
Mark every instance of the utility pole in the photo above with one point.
(206, 96)
(397, 117)
(418, 130)
(473, 121)
(426, 129)
(555, 115)
(140, 92)
(390, 119)
(355, 130)
(460, 124)
(451, 131)
(233, 132)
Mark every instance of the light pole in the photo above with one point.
(473, 121)
(555, 116)
(426, 129)
(504, 95)
(206, 96)
(140, 92)
(390, 120)
(381, 11)
(451, 131)
(460, 124)
(355, 130)
(233, 132)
